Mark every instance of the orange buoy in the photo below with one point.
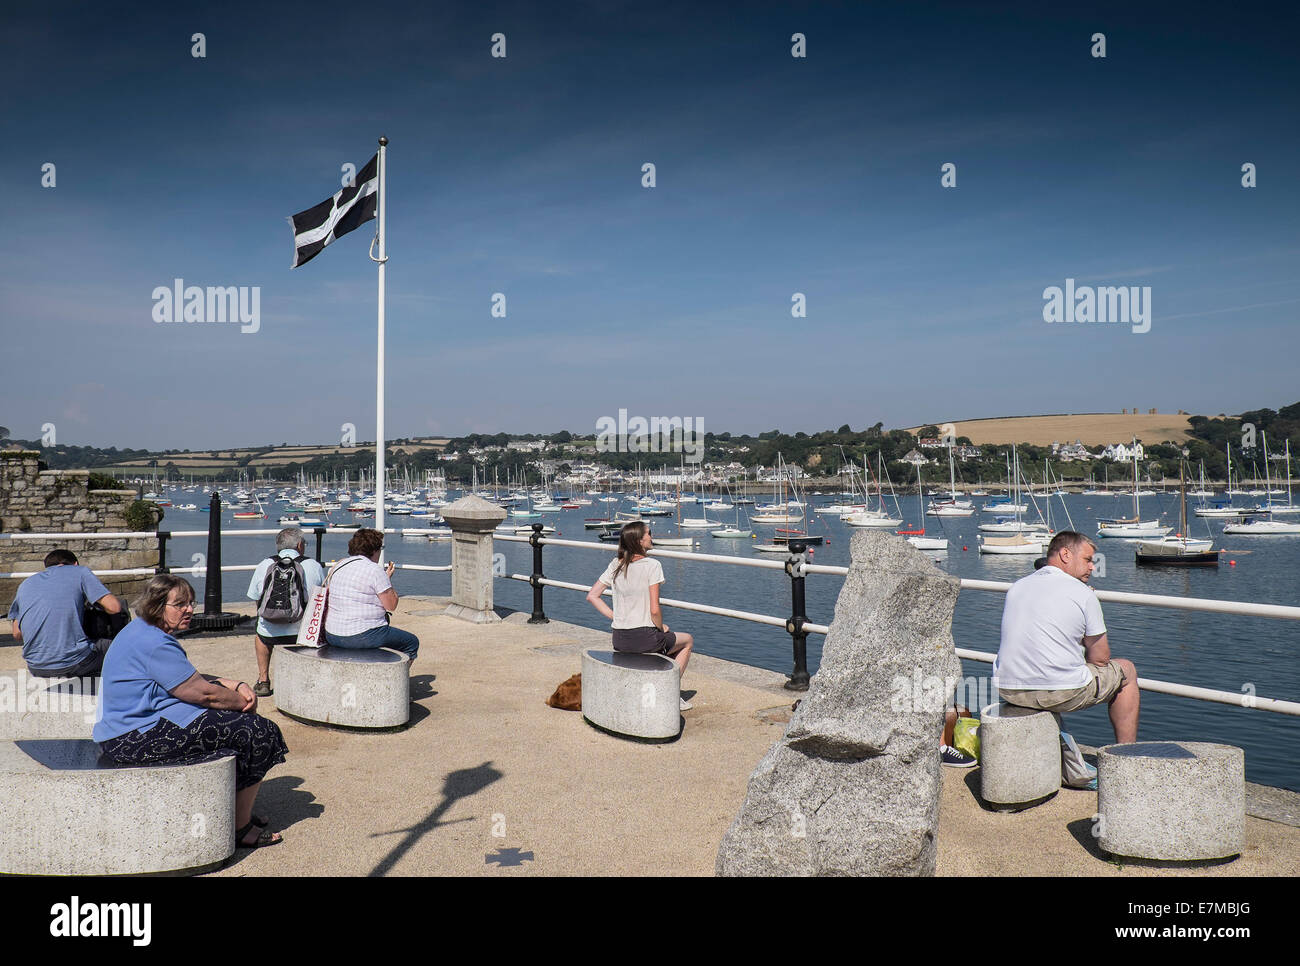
(965, 548)
(1232, 563)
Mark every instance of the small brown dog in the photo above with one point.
(568, 696)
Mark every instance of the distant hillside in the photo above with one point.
(1091, 429)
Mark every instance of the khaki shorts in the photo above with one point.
(1105, 684)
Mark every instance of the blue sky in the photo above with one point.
(522, 175)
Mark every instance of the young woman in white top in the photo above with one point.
(636, 619)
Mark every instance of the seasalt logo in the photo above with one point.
(1108, 303)
(72, 919)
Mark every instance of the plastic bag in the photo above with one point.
(966, 738)
(1075, 770)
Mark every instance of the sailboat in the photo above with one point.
(879, 517)
(1261, 527)
(1132, 528)
(951, 507)
(734, 531)
(1289, 507)
(918, 539)
(693, 523)
(1178, 550)
(258, 514)
(1222, 507)
(1012, 523)
(679, 540)
(781, 511)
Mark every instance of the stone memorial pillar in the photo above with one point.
(472, 521)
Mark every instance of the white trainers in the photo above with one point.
(684, 705)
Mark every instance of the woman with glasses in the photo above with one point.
(157, 709)
(361, 596)
(637, 621)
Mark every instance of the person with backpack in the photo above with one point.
(282, 585)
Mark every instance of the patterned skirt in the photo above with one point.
(255, 742)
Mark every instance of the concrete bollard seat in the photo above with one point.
(1020, 755)
(350, 688)
(1172, 800)
(65, 810)
(636, 695)
(32, 707)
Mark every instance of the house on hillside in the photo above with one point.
(1122, 452)
(917, 458)
(1071, 451)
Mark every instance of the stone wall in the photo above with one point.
(33, 500)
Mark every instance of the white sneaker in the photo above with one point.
(684, 705)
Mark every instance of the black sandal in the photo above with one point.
(259, 821)
(264, 839)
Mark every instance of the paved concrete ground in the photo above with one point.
(486, 767)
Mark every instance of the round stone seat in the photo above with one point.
(1172, 800)
(65, 810)
(342, 686)
(1020, 756)
(637, 695)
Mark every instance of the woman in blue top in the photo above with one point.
(156, 708)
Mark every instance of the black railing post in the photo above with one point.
(794, 625)
(320, 536)
(162, 552)
(539, 615)
(212, 580)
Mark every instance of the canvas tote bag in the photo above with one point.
(311, 632)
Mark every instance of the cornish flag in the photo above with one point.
(316, 227)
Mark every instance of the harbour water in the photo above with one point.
(1246, 655)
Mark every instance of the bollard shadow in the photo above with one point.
(1083, 831)
(462, 783)
(422, 686)
(418, 713)
(972, 780)
(285, 803)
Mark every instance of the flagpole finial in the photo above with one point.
(383, 142)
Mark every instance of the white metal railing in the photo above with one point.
(199, 570)
(1245, 608)
(120, 535)
(742, 615)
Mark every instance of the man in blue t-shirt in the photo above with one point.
(47, 618)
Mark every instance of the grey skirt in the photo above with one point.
(644, 640)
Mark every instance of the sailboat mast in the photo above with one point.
(1137, 503)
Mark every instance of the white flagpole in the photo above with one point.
(379, 379)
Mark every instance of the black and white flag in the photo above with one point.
(316, 227)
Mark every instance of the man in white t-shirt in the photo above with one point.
(1054, 654)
